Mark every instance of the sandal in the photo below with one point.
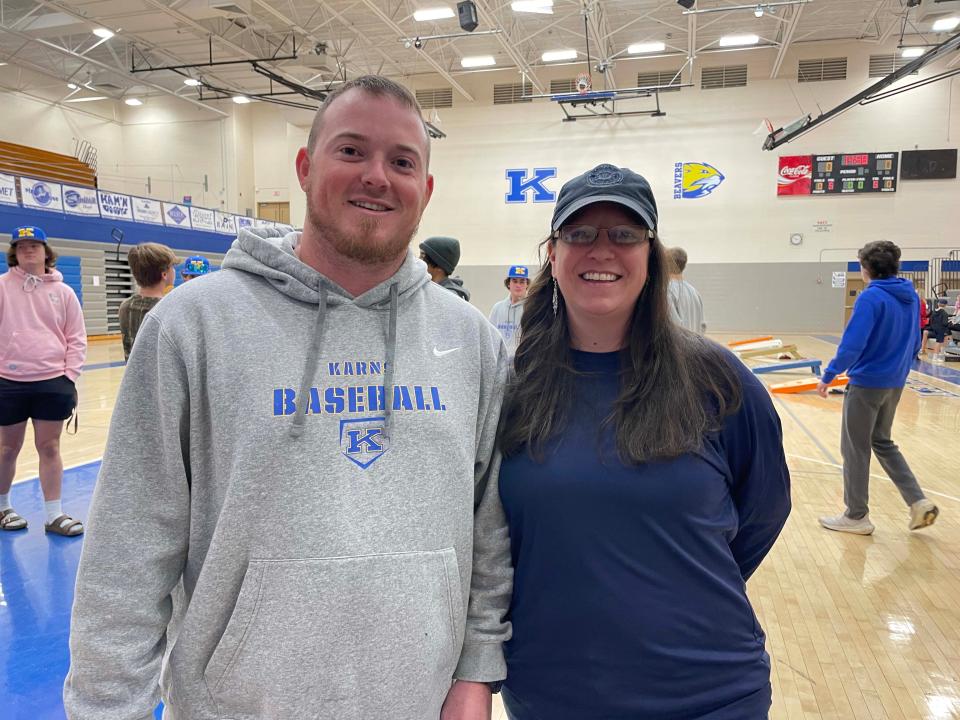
(64, 525)
(9, 520)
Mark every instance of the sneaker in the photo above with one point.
(842, 523)
(922, 514)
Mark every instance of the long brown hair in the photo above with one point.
(675, 386)
(49, 256)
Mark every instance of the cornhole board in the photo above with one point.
(771, 344)
(765, 352)
(814, 366)
(799, 386)
(737, 343)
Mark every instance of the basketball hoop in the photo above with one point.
(583, 83)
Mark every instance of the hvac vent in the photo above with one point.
(822, 69)
(508, 93)
(435, 98)
(563, 87)
(725, 76)
(231, 8)
(662, 77)
(883, 65)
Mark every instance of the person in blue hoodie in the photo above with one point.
(643, 480)
(876, 351)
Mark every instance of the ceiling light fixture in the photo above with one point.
(438, 13)
(192, 82)
(543, 7)
(758, 12)
(73, 86)
(133, 102)
(558, 55)
(738, 40)
(687, 3)
(944, 24)
(241, 99)
(646, 47)
(103, 33)
(912, 52)
(478, 61)
(87, 99)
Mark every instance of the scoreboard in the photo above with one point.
(854, 173)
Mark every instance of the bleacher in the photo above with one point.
(45, 165)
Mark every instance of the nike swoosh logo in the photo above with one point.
(441, 353)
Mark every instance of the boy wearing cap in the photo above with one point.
(506, 314)
(194, 266)
(441, 254)
(43, 343)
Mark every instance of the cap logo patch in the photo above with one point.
(604, 175)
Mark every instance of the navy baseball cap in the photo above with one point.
(606, 183)
(28, 232)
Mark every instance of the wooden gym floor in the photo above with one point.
(857, 627)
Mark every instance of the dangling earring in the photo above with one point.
(556, 297)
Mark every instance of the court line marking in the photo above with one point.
(816, 441)
(79, 465)
(873, 475)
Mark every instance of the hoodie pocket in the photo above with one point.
(350, 638)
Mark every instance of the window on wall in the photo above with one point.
(883, 65)
(562, 87)
(724, 76)
(660, 78)
(435, 98)
(822, 69)
(508, 93)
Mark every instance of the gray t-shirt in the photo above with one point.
(686, 307)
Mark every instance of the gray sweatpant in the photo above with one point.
(867, 417)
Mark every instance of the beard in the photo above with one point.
(358, 245)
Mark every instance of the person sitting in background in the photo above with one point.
(152, 265)
(194, 266)
(937, 328)
(441, 254)
(506, 314)
(924, 321)
(686, 306)
(43, 343)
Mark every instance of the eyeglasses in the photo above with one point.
(587, 235)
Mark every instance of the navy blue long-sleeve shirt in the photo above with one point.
(629, 593)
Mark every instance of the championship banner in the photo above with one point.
(225, 223)
(114, 206)
(244, 222)
(146, 210)
(175, 215)
(8, 190)
(41, 195)
(80, 200)
(202, 219)
(796, 175)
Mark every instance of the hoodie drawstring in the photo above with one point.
(30, 282)
(391, 358)
(313, 356)
(310, 369)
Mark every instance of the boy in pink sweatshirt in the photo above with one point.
(43, 343)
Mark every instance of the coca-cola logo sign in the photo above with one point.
(797, 171)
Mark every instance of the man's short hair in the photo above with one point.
(375, 85)
(678, 258)
(880, 258)
(148, 262)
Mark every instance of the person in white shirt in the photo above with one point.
(506, 314)
(686, 307)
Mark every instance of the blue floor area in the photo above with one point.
(935, 370)
(37, 574)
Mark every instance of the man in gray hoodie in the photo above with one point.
(305, 440)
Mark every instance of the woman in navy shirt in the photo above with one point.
(643, 480)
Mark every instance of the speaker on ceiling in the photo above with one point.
(467, 14)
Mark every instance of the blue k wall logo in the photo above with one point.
(520, 186)
(694, 180)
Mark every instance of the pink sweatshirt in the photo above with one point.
(42, 335)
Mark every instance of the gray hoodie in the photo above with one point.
(342, 548)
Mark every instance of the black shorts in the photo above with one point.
(937, 335)
(41, 400)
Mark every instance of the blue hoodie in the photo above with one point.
(881, 340)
